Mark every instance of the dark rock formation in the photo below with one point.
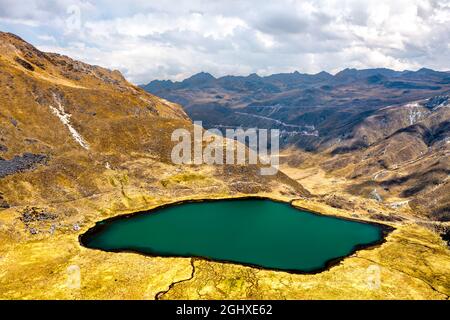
(27, 161)
(24, 64)
(3, 203)
(34, 215)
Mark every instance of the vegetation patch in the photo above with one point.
(183, 179)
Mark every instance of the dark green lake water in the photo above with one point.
(264, 233)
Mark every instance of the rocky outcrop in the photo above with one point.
(3, 203)
(27, 161)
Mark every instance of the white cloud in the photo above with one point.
(174, 39)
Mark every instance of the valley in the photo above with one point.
(80, 144)
(385, 132)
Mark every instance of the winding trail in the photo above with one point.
(270, 119)
(159, 295)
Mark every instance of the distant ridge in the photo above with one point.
(350, 73)
(327, 106)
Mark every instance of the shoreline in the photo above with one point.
(385, 230)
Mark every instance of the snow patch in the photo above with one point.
(375, 195)
(414, 113)
(65, 119)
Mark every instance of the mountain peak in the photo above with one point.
(201, 76)
(56, 68)
(427, 71)
(253, 76)
(323, 75)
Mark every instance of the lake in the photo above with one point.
(256, 232)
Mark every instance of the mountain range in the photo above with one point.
(80, 144)
(386, 132)
(311, 110)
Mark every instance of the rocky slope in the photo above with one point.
(398, 157)
(64, 124)
(79, 144)
(407, 155)
(386, 132)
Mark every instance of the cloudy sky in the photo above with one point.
(159, 39)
